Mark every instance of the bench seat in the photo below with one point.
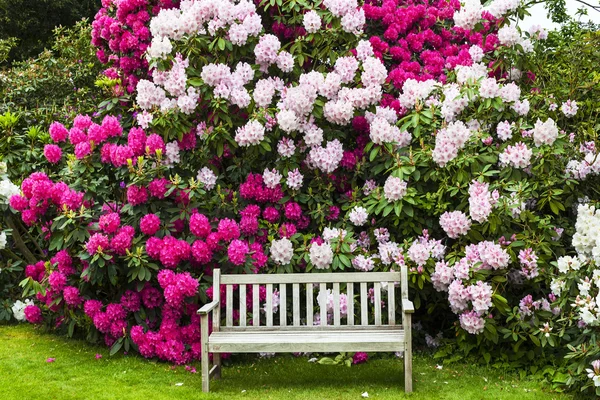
(264, 341)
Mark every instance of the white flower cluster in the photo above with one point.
(18, 309)
(2, 240)
(282, 251)
(7, 188)
(321, 255)
(586, 239)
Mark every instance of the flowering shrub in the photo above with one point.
(304, 140)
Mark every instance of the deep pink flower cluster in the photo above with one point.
(33, 314)
(177, 286)
(149, 224)
(64, 262)
(39, 193)
(36, 271)
(121, 34)
(254, 189)
(169, 250)
(420, 45)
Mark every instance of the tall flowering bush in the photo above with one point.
(293, 137)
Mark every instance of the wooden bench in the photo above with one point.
(376, 331)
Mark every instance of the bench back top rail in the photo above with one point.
(310, 300)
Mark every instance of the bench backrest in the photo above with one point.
(378, 293)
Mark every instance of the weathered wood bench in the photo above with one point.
(375, 332)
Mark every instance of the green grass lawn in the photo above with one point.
(77, 374)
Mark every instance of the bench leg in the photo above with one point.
(205, 359)
(217, 362)
(408, 387)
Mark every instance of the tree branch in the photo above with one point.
(27, 254)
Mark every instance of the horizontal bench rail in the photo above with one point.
(312, 278)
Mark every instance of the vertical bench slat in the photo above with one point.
(336, 304)
(255, 305)
(309, 304)
(323, 303)
(296, 303)
(350, 294)
(391, 303)
(377, 301)
(269, 304)
(282, 304)
(216, 323)
(364, 317)
(229, 305)
(242, 305)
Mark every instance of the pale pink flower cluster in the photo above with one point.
(363, 263)
(311, 21)
(414, 91)
(294, 179)
(172, 153)
(208, 16)
(286, 147)
(250, 134)
(173, 82)
(454, 102)
(455, 223)
(382, 129)
(504, 130)
(490, 254)
(271, 178)
(468, 15)
(327, 158)
(581, 169)
(424, 248)
(160, 47)
(229, 85)
(538, 32)
(517, 156)
(394, 189)
(321, 255)
(267, 51)
(472, 322)
(207, 177)
(354, 21)
(449, 141)
(509, 36)
(569, 108)
(282, 251)
(480, 201)
(489, 88)
(364, 49)
(545, 132)
(340, 8)
(476, 53)
(329, 302)
(528, 260)
(499, 8)
(470, 73)
(358, 216)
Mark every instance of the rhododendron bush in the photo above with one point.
(291, 136)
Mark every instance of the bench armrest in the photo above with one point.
(208, 307)
(407, 306)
